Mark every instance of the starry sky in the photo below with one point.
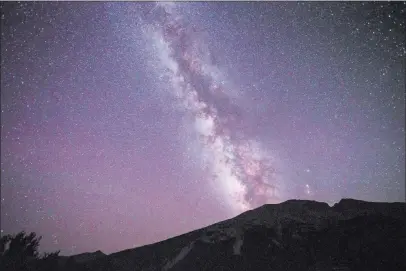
(123, 124)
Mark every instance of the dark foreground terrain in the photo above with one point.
(293, 235)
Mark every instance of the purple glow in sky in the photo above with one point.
(127, 123)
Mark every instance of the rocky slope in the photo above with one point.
(293, 235)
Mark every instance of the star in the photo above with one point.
(155, 119)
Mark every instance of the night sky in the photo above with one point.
(123, 124)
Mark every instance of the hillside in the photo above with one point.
(293, 235)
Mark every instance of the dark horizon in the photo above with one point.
(202, 227)
(192, 230)
(126, 123)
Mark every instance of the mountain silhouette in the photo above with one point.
(293, 235)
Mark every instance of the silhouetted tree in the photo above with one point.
(20, 253)
(3, 242)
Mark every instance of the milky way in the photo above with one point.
(243, 173)
(127, 123)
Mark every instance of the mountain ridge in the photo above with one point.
(292, 235)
